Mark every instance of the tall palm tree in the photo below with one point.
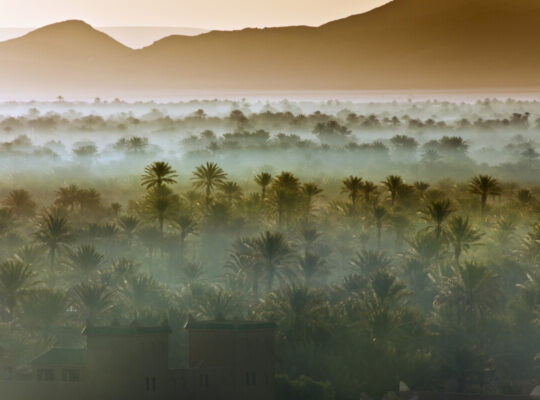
(85, 260)
(437, 212)
(368, 188)
(16, 278)
(54, 234)
(150, 237)
(243, 268)
(20, 203)
(379, 214)
(309, 191)
(485, 186)
(473, 289)
(462, 235)
(264, 179)
(274, 255)
(352, 185)
(393, 184)
(287, 181)
(158, 173)
(159, 204)
(208, 176)
(68, 196)
(187, 225)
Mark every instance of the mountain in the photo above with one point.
(141, 36)
(405, 44)
(131, 36)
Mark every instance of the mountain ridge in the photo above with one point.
(404, 44)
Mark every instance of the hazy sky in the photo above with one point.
(211, 14)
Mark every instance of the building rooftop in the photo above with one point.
(126, 330)
(229, 325)
(61, 357)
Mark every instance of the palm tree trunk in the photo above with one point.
(379, 232)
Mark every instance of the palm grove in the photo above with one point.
(370, 283)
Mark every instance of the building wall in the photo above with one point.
(249, 354)
(132, 367)
(32, 390)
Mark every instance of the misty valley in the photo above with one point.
(394, 244)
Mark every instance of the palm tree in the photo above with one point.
(263, 180)
(218, 303)
(368, 188)
(310, 190)
(20, 203)
(437, 212)
(285, 196)
(44, 310)
(16, 278)
(393, 184)
(313, 267)
(192, 272)
(141, 291)
(6, 220)
(368, 261)
(231, 190)
(301, 312)
(274, 255)
(150, 237)
(157, 174)
(379, 214)
(93, 300)
(462, 235)
(30, 254)
(287, 181)
(243, 268)
(68, 196)
(421, 187)
(54, 234)
(473, 289)
(122, 269)
(485, 186)
(160, 203)
(187, 226)
(85, 260)
(129, 224)
(208, 177)
(352, 185)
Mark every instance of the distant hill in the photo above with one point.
(132, 36)
(405, 44)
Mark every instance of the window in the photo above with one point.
(253, 379)
(71, 375)
(153, 384)
(45, 374)
(147, 384)
(206, 380)
(247, 379)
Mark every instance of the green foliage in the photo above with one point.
(303, 388)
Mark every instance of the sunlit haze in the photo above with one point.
(211, 14)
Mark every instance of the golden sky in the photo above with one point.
(209, 14)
